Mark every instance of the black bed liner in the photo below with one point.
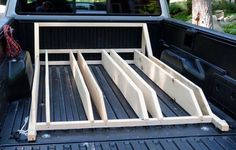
(66, 105)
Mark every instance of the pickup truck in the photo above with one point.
(128, 78)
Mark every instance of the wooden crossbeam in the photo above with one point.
(149, 94)
(123, 123)
(94, 89)
(130, 91)
(34, 103)
(82, 88)
(173, 87)
(67, 51)
(47, 91)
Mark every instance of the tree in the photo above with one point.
(202, 13)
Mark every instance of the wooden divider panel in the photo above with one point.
(94, 89)
(183, 95)
(206, 110)
(130, 91)
(149, 94)
(82, 88)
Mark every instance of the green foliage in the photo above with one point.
(224, 5)
(230, 28)
(176, 8)
(150, 8)
(189, 6)
(184, 16)
(181, 10)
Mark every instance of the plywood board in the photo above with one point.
(130, 91)
(149, 94)
(183, 95)
(82, 88)
(197, 91)
(93, 87)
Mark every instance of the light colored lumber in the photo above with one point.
(149, 94)
(67, 51)
(56, 63)
(36, 40)
(85, 24)
(206, 110)
(118, 123)
(183, 95)
(89, 62)
(202, 101)
(34, 103)
(147, 40)
(181, 120)
(130, 91)
(143, 46)
(219, 123)
(81, 87)
(93, 87)
(47, 91)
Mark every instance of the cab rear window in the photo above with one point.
(94, 7)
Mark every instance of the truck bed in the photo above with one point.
(67, 106)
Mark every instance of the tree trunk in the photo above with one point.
(202, 13)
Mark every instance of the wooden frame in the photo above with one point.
(141, 97)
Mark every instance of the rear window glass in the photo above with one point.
(94, 7)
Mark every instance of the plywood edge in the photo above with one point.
(149, 94)
(183, 95)
(130, 91)
(93, 87)
(206, 110)
(82, 88)
(32, 133)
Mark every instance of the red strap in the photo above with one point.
(13, 49)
